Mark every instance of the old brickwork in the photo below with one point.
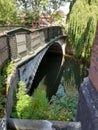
(93, 73)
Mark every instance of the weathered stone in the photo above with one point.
(10, 91)
(4, 55)
(24, 124)
(88, 106)
(3, 123)
(27, 124)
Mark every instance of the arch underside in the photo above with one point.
(28, 71)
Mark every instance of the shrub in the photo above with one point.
(23, 108)
(63, 108)
(82, 27)
(38, 106)
(9, 68)
(34, 107)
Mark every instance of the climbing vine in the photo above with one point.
(82, 26)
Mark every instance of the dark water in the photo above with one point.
(73, 74)
(48, 74)
(54, 70)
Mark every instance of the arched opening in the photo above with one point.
(48, 71)
(55, 48)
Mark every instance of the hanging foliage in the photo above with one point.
(82, 26)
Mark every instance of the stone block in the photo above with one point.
(27, 124)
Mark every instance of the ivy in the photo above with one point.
(82, 26)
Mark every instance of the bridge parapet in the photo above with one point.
(27, 48)
(4, 51)
(21, 42)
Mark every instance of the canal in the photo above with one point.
(56, 70)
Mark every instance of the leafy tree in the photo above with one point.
(82, 26)
(8, 12)
(33, 8)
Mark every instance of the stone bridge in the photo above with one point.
(27, 48)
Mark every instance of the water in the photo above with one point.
(55, 71)
(73, 74)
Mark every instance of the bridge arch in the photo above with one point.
(28, 70)
(56, 48)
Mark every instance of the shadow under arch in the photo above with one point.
(48, 72)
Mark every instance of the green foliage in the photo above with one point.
(38, 106)
(82, 26)
(33, 8)
(8, 12)
(63, 108)
(6, 70)
(9, 69)
(30, 107)
(24, 103)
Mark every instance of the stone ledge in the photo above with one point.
(27, 124)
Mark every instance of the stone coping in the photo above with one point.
(27, 124)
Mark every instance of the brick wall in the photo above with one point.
(93, 72)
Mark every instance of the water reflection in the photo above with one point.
(73, 74)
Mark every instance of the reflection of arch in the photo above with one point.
(54, 49)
